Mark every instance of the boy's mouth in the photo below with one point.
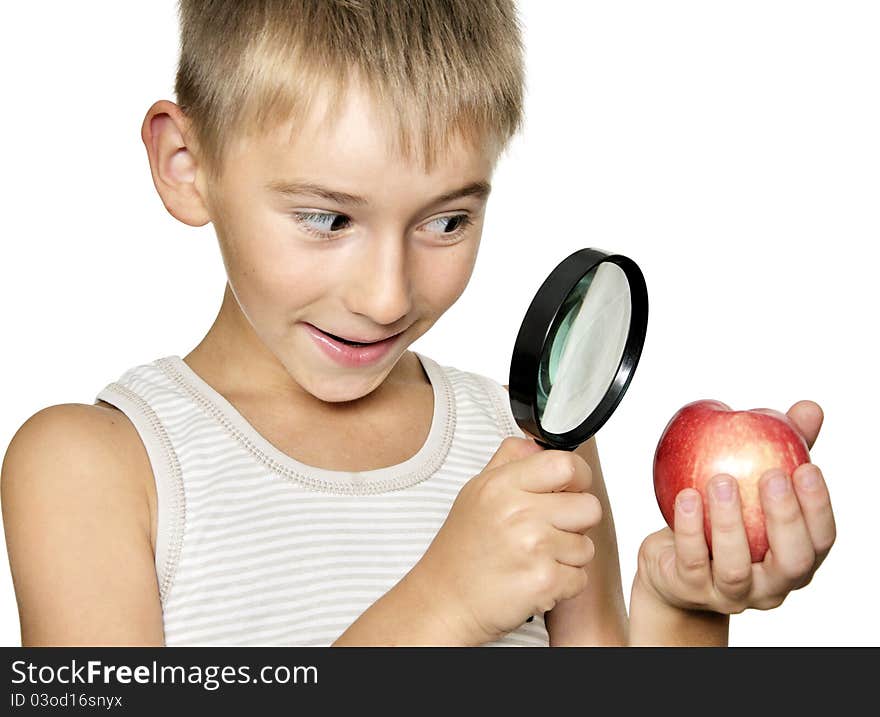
(351, 342)
(351, 353)
(346, 341)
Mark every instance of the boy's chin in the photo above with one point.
(341, 390)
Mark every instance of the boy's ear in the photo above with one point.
(173, 165)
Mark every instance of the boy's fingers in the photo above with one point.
(511, 449)
(553, 470)
(572, 512)
(815, 502)
(731, 558)
(692, 553)
(573, 549)
(808, 417)
(792, 557)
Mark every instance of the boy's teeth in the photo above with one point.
(346, 341)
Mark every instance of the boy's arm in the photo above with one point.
(77, 524)
(597, 616)
(654, 622)
(411, 614)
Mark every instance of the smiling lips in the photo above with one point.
(356, 342)
(350, 353)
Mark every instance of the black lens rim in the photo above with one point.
(532, 336)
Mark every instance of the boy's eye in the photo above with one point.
(455, 224)
(321, 223)
(326, 224)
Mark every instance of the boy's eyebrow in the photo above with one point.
(474, 189)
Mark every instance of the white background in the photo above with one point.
(731, 149)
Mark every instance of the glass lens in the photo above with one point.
(584, 348)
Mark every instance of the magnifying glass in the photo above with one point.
(578, 348)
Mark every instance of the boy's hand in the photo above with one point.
(513, 543)
(675, 567)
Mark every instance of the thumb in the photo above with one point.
(511, 449)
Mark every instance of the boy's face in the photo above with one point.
(389, 263)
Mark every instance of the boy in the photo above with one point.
(300, 477)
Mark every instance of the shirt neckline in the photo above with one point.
(426, 461)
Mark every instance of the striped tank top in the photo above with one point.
(256, 548)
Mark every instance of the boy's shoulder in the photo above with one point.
(97, 434)
(76, 449)
(70, 429)
(77, 524)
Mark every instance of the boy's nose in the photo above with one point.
(380, 286)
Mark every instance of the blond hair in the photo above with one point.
(435, 69)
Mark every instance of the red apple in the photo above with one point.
(705, 438)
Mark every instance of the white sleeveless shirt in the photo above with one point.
(256, 548)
